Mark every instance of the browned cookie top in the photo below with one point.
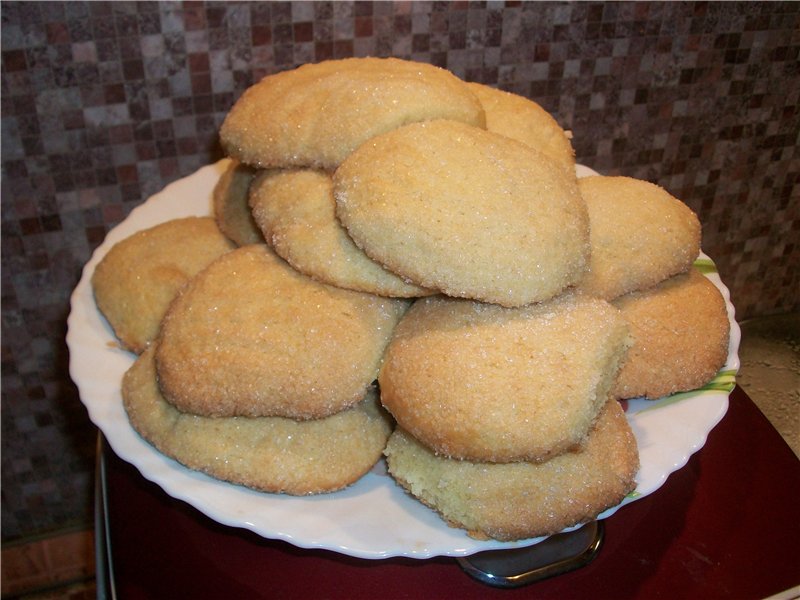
(295, 210)
(271, 454)
(680, 335)
(135, 282)
(317, 114)
(251, 336)
(640, 235)
(524, 120)
(468, 212)
(522, 500)
(493, 384)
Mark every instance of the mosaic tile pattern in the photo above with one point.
(104, 103)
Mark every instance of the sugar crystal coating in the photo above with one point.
(640, 235)
(522, 500)
(680, 336)
(482, 382)
(524, 120)
(295, 210)
(135, 282)
(317, 114)
(272, 454)
(250, 336)
(445, 206)
(464, 211)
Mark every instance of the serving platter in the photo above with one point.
(374, 518)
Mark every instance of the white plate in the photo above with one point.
(374, 518)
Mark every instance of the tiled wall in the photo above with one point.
(103, 103)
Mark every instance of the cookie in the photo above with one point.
(524, 120)
(680, 332)
(522, 500)
(270, 454)
(464, 211)
(491, 384)
(316, 114)
(294, 208)
(640, 235)
(250, 336)
(135, 282)
(231, 208)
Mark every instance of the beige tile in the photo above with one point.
(770, 371)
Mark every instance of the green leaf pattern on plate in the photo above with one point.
(724, 381)
(705, 266)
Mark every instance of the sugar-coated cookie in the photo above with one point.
(522, 500)
(294, 208)
(492, 384)
(135, 282)
(250, 336)
(316, 114)
(524, 120)
(271, 454)
(231, 209)
(640, 235)
(470, 213)
(680, 332)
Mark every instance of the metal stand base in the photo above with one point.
(557, 554)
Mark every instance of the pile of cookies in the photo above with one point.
(400, 263)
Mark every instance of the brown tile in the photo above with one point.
(46, 562)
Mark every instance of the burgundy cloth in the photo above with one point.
(726, 525)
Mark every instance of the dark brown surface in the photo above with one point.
(724, 526)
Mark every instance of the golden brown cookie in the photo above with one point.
(135, 282)
(315, 115)
(680, 335)
(231, 208)
(470, 213)
(522, 500)
(640, 235)
(250, 336)
(271, 454)
(524, 120)
(492, 384)
(294, 208)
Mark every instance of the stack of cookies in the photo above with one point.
(400, 263)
